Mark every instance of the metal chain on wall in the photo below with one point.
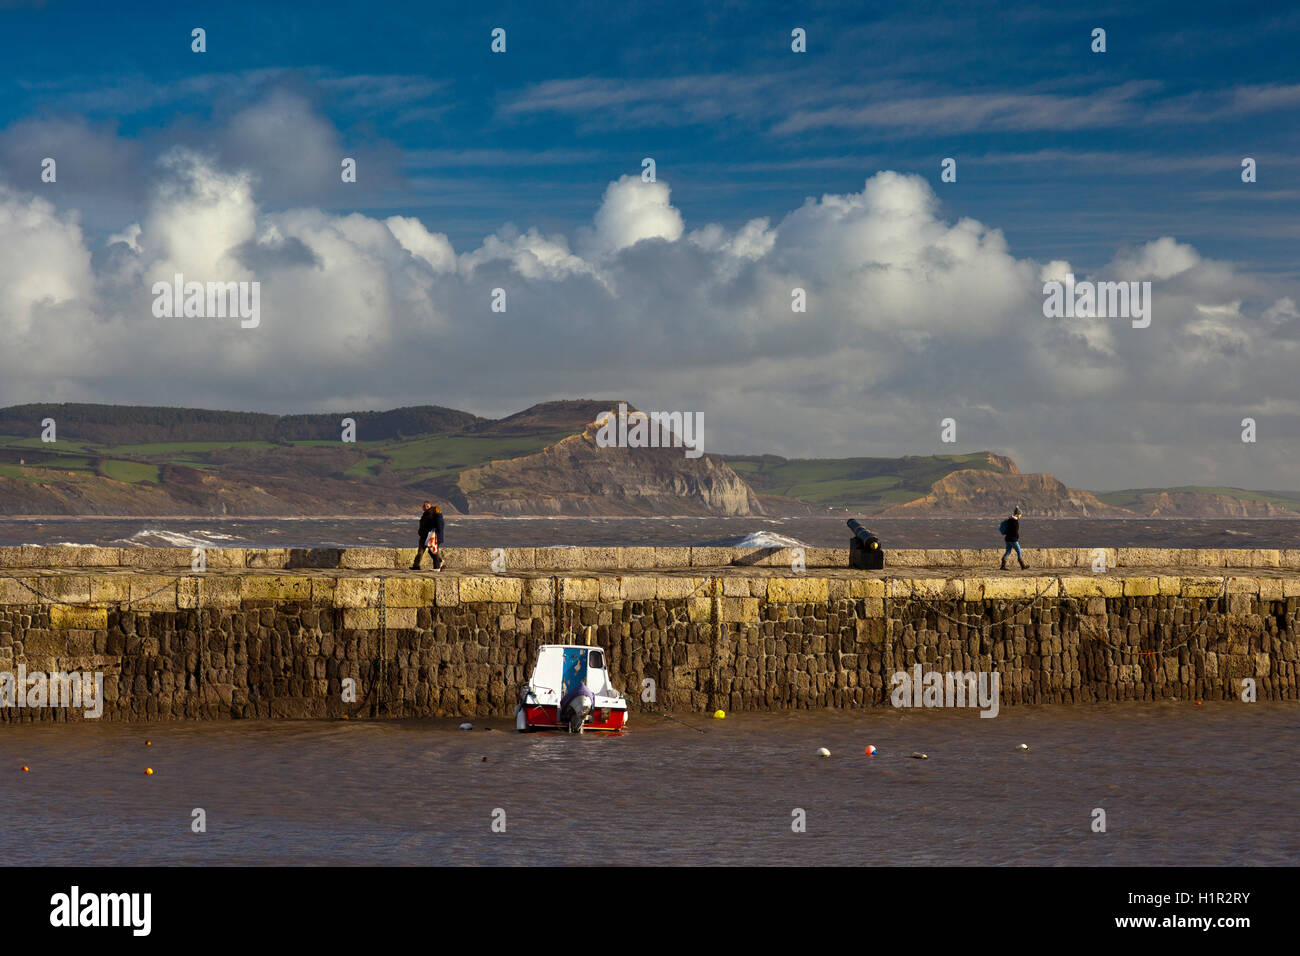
(1074, 604)
(46, 599)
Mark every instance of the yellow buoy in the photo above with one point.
(27, 770)
(148, 743)
(148, 771)
(718, 714)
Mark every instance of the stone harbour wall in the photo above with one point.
(240, 640)
(631, 559)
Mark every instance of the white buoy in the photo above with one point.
(920, 756)
(466, 726)
(1023, 747)
(823, 752)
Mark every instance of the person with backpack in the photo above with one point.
(1010, 529)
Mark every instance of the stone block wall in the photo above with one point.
(239, 642)
(630, 559)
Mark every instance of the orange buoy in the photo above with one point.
(27, 770)
(148, 743)
(148, 771)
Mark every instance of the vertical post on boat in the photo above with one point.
(557, 589)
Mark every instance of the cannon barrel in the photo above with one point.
(869, 540)
(864, 548)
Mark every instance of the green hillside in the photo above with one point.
(1133, 497)
(132, 424)
(858, 484)
(408, 446)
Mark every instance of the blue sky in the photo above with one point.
(1063, 156)
(1067, 151)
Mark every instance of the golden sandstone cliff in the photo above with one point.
(576, 476)
(972, 492)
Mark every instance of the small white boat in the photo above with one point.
(570, 689)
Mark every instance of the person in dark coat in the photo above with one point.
(430, 521)
(1012, 536)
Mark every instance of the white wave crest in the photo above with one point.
(164, 538)
(767, 539)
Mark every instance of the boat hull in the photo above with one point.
(544, 717)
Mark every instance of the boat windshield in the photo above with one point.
(597, 681)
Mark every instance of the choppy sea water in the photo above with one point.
(1179, 784)
(480, 532)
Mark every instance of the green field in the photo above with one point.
(132, 471)
(61, 446)
(172, 451)
(441, 454)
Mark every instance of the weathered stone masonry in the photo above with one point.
(268, 634)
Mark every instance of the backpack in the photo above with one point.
(1002, 528)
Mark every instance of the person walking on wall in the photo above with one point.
(431, 523)
(1011, 534)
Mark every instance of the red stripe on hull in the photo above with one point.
(537, 716)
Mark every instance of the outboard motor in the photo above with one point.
(864, 548)
(576, 705)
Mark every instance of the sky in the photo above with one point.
(774, 170)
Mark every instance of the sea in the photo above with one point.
(493, 532)
(1176, 784)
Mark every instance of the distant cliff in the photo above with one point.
(972, 492)
(577, 477)
(1193, 504)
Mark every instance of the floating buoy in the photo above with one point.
(485, 759)
(1198, 703)
(466, 726)
(1023, 747)
(823, 752)
(148, 743)
(920, 756)
(870, 751)
(148, 771)
(27, 769)
(719, 714)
